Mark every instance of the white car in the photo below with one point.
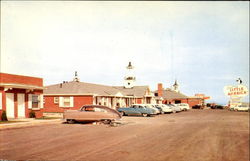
(174, 107)
(242, 108)
(231, 108)
(183, 106)
(151, 106)
(164, 108)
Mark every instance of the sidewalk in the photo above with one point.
(28, 122)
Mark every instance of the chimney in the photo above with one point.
(160, 89)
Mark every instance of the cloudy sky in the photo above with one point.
(204, 45)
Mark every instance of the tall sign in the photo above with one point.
(236, 93)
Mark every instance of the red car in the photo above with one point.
(92, 113)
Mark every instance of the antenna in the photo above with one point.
(172, 55)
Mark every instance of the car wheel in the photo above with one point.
(71, 121)
(144, 115)
(123, 114)
(106, 121)
(174, 111)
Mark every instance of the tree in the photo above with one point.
(4, 116)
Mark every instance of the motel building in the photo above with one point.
(20, 94)
(174, 96)
(74, 94)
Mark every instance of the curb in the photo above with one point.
(28, 124)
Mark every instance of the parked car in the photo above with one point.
(164, 108)
(217, 107)
(151, 106)
(140, 110)
(184, 106)
(174, 108)
(158, 108)
(198, 106)
(232, 107)
(242, 108)
(91, 113)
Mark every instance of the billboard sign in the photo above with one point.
(236, 91)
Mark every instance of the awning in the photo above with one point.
(21, 86)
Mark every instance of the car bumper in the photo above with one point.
(244, 109)
(168, 110)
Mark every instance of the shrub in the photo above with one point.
(32, 114)
(4, 116)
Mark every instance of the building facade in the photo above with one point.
(20, 94)
(174, 96)
(75, 94)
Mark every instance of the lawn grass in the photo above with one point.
(48, 118)
(9, 122)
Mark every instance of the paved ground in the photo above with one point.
(27, 122)
(197, 135)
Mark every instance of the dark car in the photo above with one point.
(197, 106)
(217, 107)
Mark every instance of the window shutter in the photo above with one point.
(61, 104)
(29, 101)
(41, 101)
(71, 101)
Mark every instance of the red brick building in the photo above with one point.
(174, 96)
(20, 94)
(75, 94)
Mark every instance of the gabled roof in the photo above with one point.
(80, 88)
(136, 91)
(170, 94)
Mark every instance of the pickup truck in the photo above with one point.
(91, 113)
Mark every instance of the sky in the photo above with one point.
(203, 45)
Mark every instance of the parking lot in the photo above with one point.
(195, 135)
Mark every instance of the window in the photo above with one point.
(94, 109)
(56, 100)
(66, 101)
(35, 101)
(99, 110)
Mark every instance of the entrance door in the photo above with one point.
(10, 105)
(21, 106)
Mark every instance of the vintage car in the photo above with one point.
(91, 113)
(242, 108)
(140, 110)
(184, 106)
(217, 107)
(174, 108)
(158, 111)
(163, 108)
(198, 106)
